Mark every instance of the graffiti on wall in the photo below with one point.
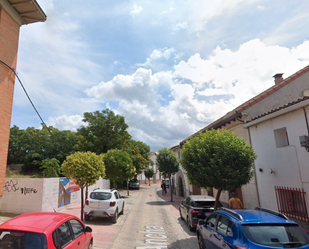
(12, 186)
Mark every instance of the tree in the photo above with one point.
(50, 167)
(119, 166)
(218, 159)
(104, 131)
(149, 174)
(167, 164)
(86, 168)
(139, 153)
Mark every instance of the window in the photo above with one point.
(116, 195)
(77, 227)
(224, 225)
(281, 137)
(100, 196)
(211, 221)
(64, 234)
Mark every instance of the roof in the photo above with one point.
(35, 222)
(202, 198)
(24, 11)
(254, 216)
(278, 109)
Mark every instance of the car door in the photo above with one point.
(208, 230)
(79, 235)
(223, 233)
(119, 201)
(64, 237)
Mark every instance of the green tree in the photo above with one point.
(104, 131)
(149, 173)
(167, 164)
(119, 166)
(218, 159)
(86, 168)
(139, 153)
(51, 167)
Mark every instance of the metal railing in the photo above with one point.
(292, 202)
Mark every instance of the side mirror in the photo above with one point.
(201, 222)
(88, 230)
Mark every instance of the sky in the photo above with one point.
(169, 67)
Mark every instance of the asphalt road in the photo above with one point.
(151, 222)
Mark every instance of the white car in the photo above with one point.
(104, 203)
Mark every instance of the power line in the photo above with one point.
(12, 69)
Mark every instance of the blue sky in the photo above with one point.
(169, 67)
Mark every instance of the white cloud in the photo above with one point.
(136, 10)
(66, 122)
(157, 55)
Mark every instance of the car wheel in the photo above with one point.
(122, 209)
(90, 245)
(189, 224)
(200, 242)
(87, 217)
(180, 214)
(115, 217)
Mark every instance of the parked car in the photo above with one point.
(104, 203)
(196, 207)
(167, 182)
(45, 230)
(134, 184)
(254, 229)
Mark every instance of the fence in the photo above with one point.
(292, 202)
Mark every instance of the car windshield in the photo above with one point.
(100, 196)
(134, 180)
(206, 204)
(276, 235)
(21, 239)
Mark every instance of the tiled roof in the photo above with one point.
(278, 108)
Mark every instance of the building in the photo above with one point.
(13, 14)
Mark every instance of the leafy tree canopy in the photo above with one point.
(119, 165)
(139, 153)
(104, 131)
(85, 167)
(218, 159)
(167, 162)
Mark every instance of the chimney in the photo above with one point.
(278, 78)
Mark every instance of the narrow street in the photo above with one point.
(153, 222)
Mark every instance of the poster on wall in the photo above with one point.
(72, 186)
(64, 197)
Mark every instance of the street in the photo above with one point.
(152, 222)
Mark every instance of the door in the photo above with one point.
(209, 230)
(223, 233)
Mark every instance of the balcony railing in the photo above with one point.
(292, 202)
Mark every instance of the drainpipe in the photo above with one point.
(257, 185)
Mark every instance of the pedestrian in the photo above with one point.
(235, 203)
(163, 186)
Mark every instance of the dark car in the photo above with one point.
(134, 184)
(196, 207)
(254, 229)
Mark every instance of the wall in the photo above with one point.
(9, 35)
(289, 163)
(23, 195)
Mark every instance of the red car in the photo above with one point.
(44, 230)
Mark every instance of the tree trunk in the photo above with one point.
(82, 204)
(149, 181)
(128, 188)
(170, 187)
(217, 198)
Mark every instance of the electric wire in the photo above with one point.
(27, 95)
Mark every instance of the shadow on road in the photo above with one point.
(158, 203)
(190, 243)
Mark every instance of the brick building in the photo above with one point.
(13, 14)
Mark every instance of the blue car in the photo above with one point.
(254, 229)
